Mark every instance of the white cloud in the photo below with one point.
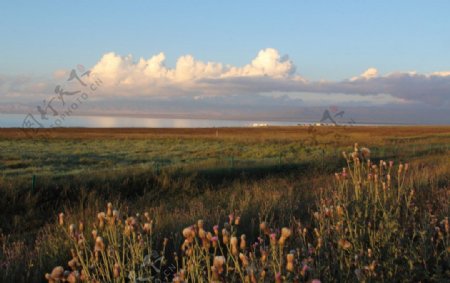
(368, 74)
(268, 72)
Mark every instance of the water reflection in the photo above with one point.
(16, 120)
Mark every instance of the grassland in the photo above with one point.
(279, 175)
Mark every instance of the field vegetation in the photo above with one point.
(276, 204)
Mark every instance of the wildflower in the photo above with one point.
(99, 244)
(243, 243)
(263, 275)
(231, 218)
(400, 169)
(339, 211)
(225, 236)
(147, 228)
(263, 256)
(218, 263)
(290, 262)
(214, 241)
(273, 238)
(304, 270)
(73, 263)
(72, 230)
(344, 244)
(233, 243)
(61, 219)
(216, 230)
(264, 228)
(337, 176)
(56, 275)
(278, 277)
(244, 260)
(446, 224)
(237, 221)
(315, 281)
(147, 216)
(109, 210)
(94, 234)
(286, 232)
(189, 234)
(316, 231)
(202, 233)
(116, 271)
(101, 219)
(200, 224)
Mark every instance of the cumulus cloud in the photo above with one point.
(268, 72)
(368, 74)
(123, 70)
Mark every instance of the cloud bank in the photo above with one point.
(267, 73)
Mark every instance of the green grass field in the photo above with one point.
(280, 176)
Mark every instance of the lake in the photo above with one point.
(17, 120)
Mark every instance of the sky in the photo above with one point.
(207, 54)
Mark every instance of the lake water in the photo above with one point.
(17, 120)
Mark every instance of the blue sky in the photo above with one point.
(351, 53)
(326, 39)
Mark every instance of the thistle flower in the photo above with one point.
(116, 271)
(234, 243)
(99, 244)
(400, 169)
(218, 263)
(101, 219)
(73, 263)
(72, 230)
(94, 234)
(216, 230)
(263, 256)
(201, 233)
(290, 262)
(214, 241)
(189, 234)
(231, 218)
(243, 243)
(273, 239)
(147, 228)
(344, 244)
(109, 210)
(56, 275)
(243, 259)
(286, 232)
(278, 277)
(369, 253)
(225, 236)
(237, 221)
(61, 219)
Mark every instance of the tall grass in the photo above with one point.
(374, 222)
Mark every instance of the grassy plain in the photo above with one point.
(276, 175)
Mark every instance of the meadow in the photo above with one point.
(269, 204)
